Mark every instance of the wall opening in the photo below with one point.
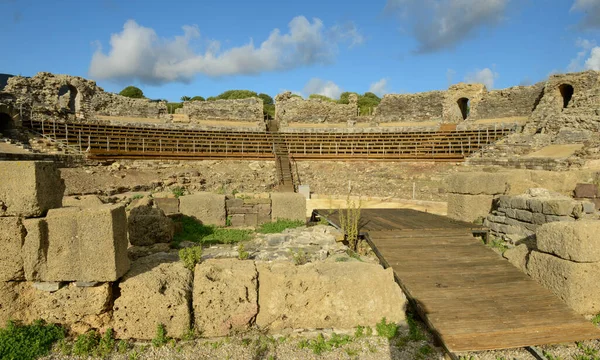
(566, 91)
(68, 98)
(6, 122)
(464, 105)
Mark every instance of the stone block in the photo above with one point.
(86, 244)
(518, 202)
(586, 191)
(156, 290)
(29, 188)
(304, 190)
(558, 207)
(535, 205)
(575, 283)
(503, 202)
(521, 224)
(233, 203)
(12, 238)
(257, 201)
(576, 241)
(477, 183)
(225, 296)
(242, 210)
(35, 248)
(497, 219)
(289, 206)
(323, 295)
(263, 218)
(588, 207)
(237, 220)
(82, 201)
(554, 218)
(469, 207)
(538, 218)
(206, 207)
(168, 205)
(511, 213)
(250, 219)
(518, 256)
(524, 215)
(148, 226)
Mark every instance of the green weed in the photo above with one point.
(191, 256)
(320, 345)
(160, 339)
(137, 197)
(28, 341)
(195, 231)
(242, 253)
(386, 330)
(280, 225)
(86, 344)
(414, 333)
(178, 191)
(596, 320)
(497, 244)
(424, 351)
(299, 257)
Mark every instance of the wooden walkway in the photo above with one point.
(470, 297)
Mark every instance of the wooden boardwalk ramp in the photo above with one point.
(470, 297)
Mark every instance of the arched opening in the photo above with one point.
(566, 91)
(6, 122)
(68, 98)
(465, 107)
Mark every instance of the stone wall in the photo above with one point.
(291, 109)
(458, 98)
(418, 107)
(246, 110)
(109, 104)
(518, 101)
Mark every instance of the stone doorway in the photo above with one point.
(465, 107)
(6, 122)
(68, 98)
(566, 91)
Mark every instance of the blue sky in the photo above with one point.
(176, 48)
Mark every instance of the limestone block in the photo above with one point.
(535, 205)
(524, 215)
(168, 205)
(289, 206)
(12, 238)
(250, 219)
(86, 244)
(79, 308)
(225, 296)
(469, 207)
(323, 295)
(518, 256)
(587, 191)
(518, 202)
(29, 188)
(554, 218)
(477, 183)
(82, 201)
(237, 220)
(157, 290)
(148, 226)
(538, 218)
(205, 207)
(588, 207)
(576, 241)
(503, 202)
(575, 283)
(558, 207)
(35, 248)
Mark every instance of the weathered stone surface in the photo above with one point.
(250, 110)
(477, 183)
(168, 205)
(29, 188)
(576, 241)
(82, 201)
(426, 106)
(519, 202)
(109, 104)
(148, 225)
(469, 207)
(289, 206)
(575, 283)
(558, 207)
(205, 207)
(587, 191)
(518, 256)
(225, 296)
(136, 252)
(291, 109)
(85, 244)
(157, 290)
(12, 238)
(323, 295)
(524, 215)
(80, 309)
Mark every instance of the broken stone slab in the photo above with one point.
(558, 207)
(206, 207)
(29, 188)
(575, 241)
(49, 286)
(225, 297)
(323, 295)
(477, 183)
(147, 226)
(156, 290)
(12, 238)
(290, 206)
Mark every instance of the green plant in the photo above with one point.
(122, 347)
(228, 221)
(86, 344)
(132, 92)
(414, 333)
(106, 344)
(190, 257)
(234, 192)
(28, 341)
(137, 197)
(299, 257)
(342, 259)
(424, 351)
(320, 345)
(280, 225)
(242, 253)
(353, 254)
(596, 320)
(498, 244)
(178, 191)
(195, 231)
(197, 98)
(386, 330)
(350, 220)
(160, 339)
(190, 334)
(222, 190)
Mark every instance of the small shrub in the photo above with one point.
(191, 256)
(242, 253)
(106, 344)
(160, 339)
(342, 259)
(596, 320)
(227, 236)
(86, 344)
(299, 257)
(497, 244)
(228, 220)
(280, 225)
(414, 333)
(386, 330)
(178, 191)
(137, 197)
(320, 345)
(424, 351)
(28, 341)
(122, 347)
(350, 222)
(195, 231)
(190, 334)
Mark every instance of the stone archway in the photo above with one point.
(69, 98)
(6, 122)
(566, 92)
(464, 106)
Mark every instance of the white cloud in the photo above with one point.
(591, 10)
(588, 56)
(138, 53)
(379, 88)
(593, 62)
(442, 24)
(322, 87)
(484, 76)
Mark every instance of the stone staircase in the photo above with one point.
(283, 164)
